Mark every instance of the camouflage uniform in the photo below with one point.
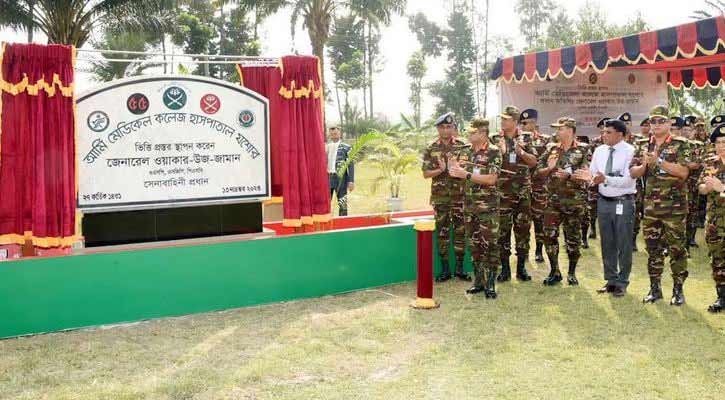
(590, 212)
(639, 197)
(481, 211)
(567, 203)
(715, 231)
(447, 197)
(665, 209)
(697, 152)
(539, 194)
(515, 189)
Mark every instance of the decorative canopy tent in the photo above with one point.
(693, 55)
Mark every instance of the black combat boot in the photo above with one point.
(554, 275)
(585, 241)
(719, 304)
(678, 296)
(460, 273)
(445, 274)
(655, 291)
(593, 228)
(505, 274)
(491, 285)
(571, 278)
(692, 242)
(521, 273)
(539, 252)
(479, 281)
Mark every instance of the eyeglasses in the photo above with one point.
(657, 121)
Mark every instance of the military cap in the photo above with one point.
(625, 117)
(699, 121)
(717, 120)
(511, 112)
(660, 111)
(644, 122)
(602, 121)
(564, 121)
(689, 119)
(479, 122)
(529, 113)
(446, 118)
(719, 131)
(677, 122)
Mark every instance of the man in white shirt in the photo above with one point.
(616, 205)
(337, 154)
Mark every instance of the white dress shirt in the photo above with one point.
(620, 182)
(332, 156)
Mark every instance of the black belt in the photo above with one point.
(618, 198)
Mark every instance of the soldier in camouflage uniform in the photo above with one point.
(479, 166)
(565, 163)
(539, 196)
(711, 185)
(663, 161)
(592, 193)
(695, 165)
(514, 184)
(447, 195)
(645, 128)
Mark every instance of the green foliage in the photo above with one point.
(105, 71)
(429, 35)
(715, 7)
(416, 69)
(706, 102)
(534, 14)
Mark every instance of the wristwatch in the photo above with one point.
(468, 176)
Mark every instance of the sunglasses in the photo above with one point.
(657, 121)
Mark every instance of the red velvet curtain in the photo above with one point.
(267, 81)
(37, 145)
(297, 135)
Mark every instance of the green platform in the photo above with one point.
(52, 294)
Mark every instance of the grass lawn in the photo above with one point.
(533, 342)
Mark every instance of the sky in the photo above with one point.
(398, 43)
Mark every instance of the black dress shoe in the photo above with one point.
(606, 289)
(446, 276)
(619, 292)
(475, 289)
(464, 276)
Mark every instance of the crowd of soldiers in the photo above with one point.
(501, 181)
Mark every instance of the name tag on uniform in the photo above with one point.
(477, 171)
(620, 209)
(512, 158)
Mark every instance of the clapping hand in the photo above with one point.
(649, 159)
(582, 174)
(599, 179)
(441, 164)
(714, 183)
(456, 171)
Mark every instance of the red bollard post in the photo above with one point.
(424, 299)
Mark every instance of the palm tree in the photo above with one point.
(374, 14)
(63, 21)
(317, 17)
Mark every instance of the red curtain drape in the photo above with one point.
(266, 81)
(37, 145)
(297, 135)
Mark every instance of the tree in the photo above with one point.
(63, 21)
(416, 71)
(373, 14)
(429, 35)
(317, 17)
(561, 31)
(345, 48)
(716, 7)
(591, 24)
(534, 15)
(113, 39)
(455, 92)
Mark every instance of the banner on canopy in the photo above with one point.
(589, 97)
(171, 140)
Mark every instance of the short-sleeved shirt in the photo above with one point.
(519, 179)
(566, 191)
(713, 166)
(664, 194)
(444, 188)
(483, 161)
